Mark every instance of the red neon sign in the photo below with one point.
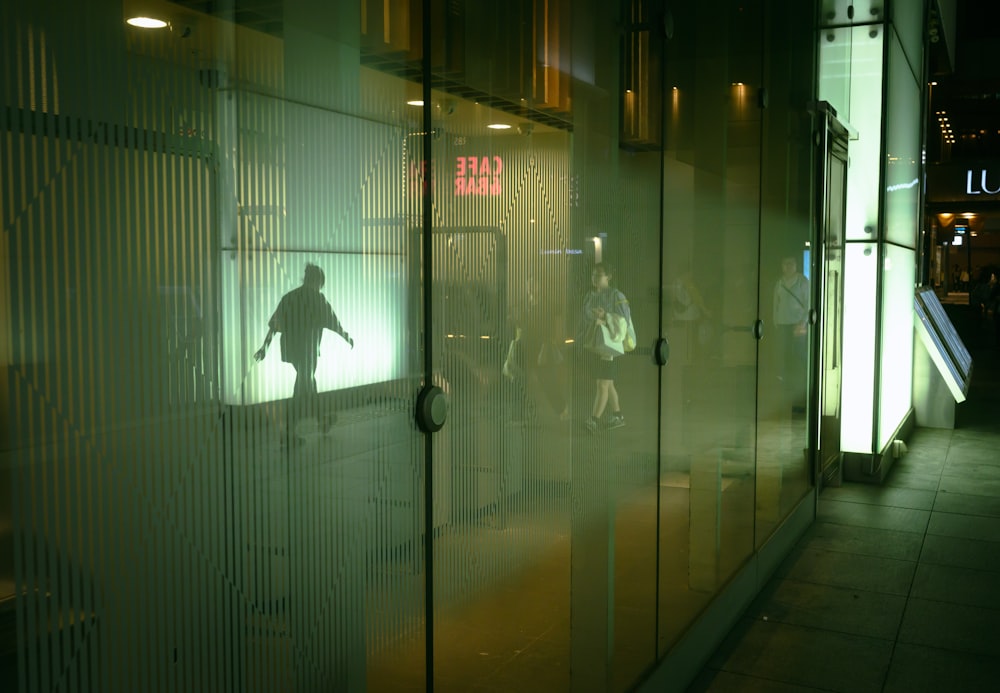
(478, 175)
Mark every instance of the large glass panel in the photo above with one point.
(786, 274)
(711, 221)
(545, 569)
(629, 210)
(834, 84)
(502, 559)
(896, 363)
(220, 483)
(908, 19)
(865, 116)
(903, 150)
(860, 268)
(850, 79)
(902, 207)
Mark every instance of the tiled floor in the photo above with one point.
(894, 588)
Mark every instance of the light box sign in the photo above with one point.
(942, 342)
(952, 182)
(367, 293)
(977, 182)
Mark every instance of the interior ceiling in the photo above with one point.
(267, 16)
(968, 91)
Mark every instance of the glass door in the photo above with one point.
(832, 194)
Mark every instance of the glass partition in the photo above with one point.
(239, 242)
(711, 225)
(902, 222)
(896, 372)
(788, 272)
(221, 483)
(903, 148)
(907, 17)
(549, 553)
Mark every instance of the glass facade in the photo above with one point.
(236, 249)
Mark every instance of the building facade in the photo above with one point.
(424, 481)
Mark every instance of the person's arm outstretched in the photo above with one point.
(273, 325)
(333, 324)
(262, 352)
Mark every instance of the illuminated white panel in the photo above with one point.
(367, 293)
(902, 171)
(859, 347)
(896, 366)
(865, 115)
(851, 81)
(835, 68)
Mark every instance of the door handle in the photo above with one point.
(813, 316)
(661, 351)
(758, 330)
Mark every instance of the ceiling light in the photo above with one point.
(146, 22)
(415, 102)
(498, 126)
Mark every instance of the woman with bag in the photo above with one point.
(605, 325)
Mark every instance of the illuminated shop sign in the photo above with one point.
(478, 175)
(975, 183)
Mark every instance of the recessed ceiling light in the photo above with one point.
(146, 22)
(498, 126)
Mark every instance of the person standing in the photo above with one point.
(791, 316)
(601, 301)
(301, 316)
(535, 352)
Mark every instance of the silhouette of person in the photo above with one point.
(791, 315)
(301, 316)
(598, 303)
(536, 352)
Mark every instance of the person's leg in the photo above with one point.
(303, 397)
(788, 366)
(616, 420)
(309, 399)
(801, 373)
(293, 412)
(600, 398)
(613, 397)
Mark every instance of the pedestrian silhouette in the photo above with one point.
(301, 316)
